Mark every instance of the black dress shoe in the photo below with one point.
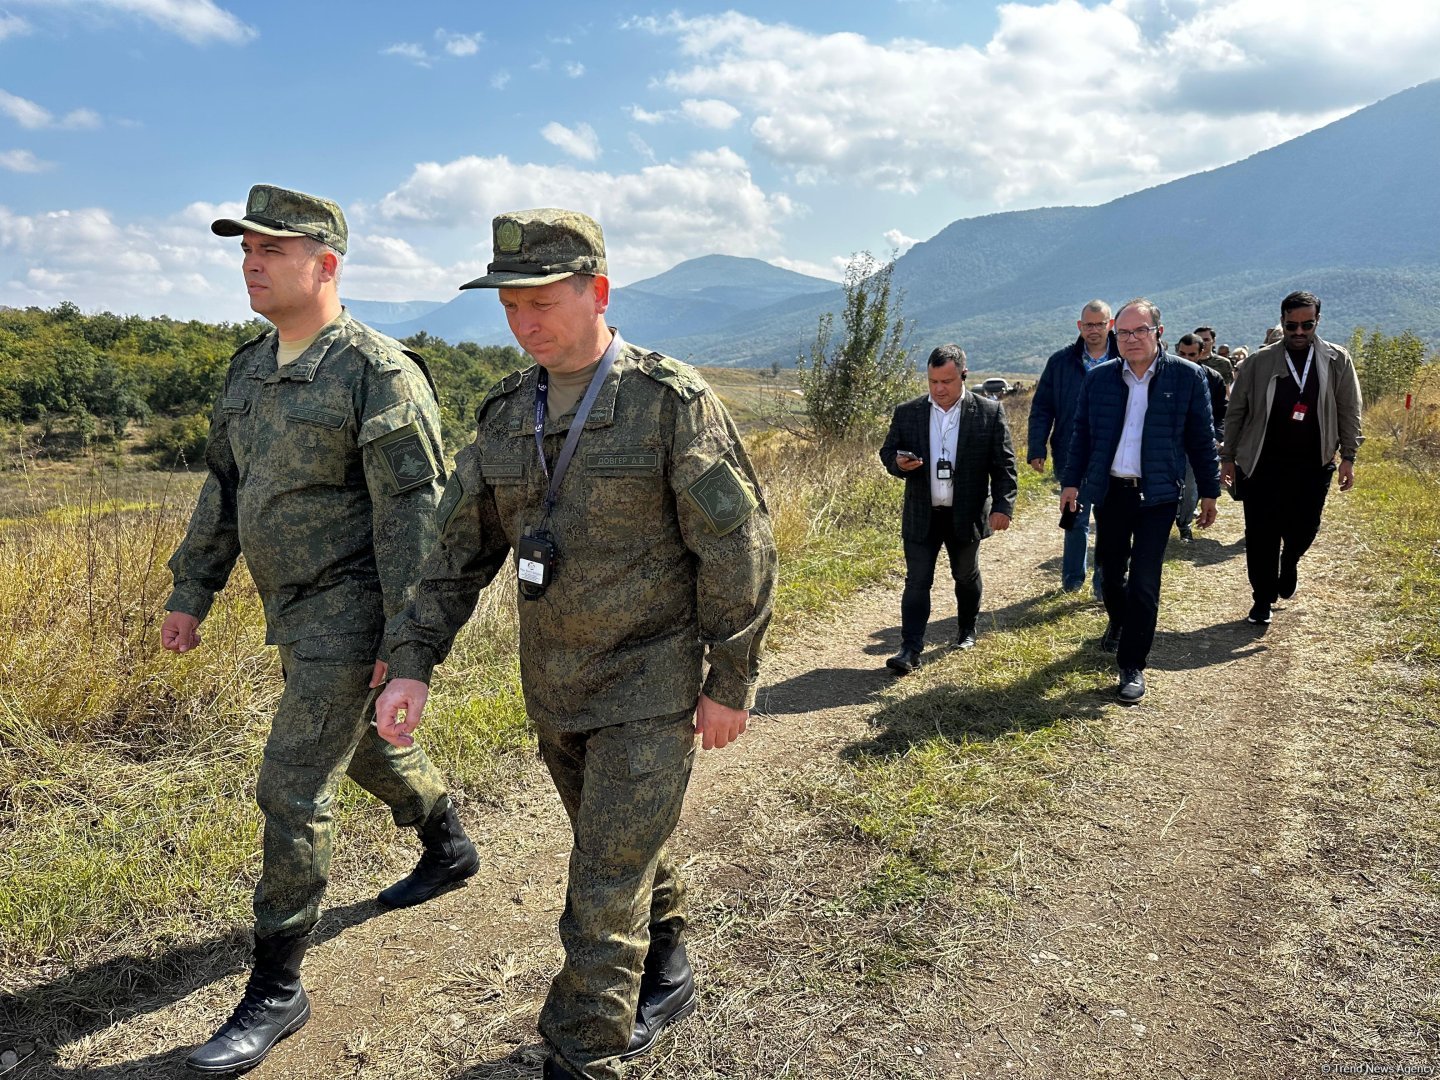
(1132, 684)
(965, 639)
(1259, 614)
(1110, 640)
(667, 994)
(273, 1007)
(904, 662)
(1289, 579)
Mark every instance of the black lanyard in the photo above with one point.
(542, 393)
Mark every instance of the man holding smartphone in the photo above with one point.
(953, 451)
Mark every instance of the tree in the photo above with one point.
(1385, 365)
(851, 384)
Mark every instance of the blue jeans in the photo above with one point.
(1074, 561)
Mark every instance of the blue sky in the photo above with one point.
(796, 133)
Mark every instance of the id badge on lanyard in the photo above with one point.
(1301, 410)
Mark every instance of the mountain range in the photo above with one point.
(1347, 211)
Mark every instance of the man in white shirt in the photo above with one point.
(953, 451)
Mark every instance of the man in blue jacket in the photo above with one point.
(1138, 420)
(1052, 416)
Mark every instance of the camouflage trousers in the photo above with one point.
(622, 788)
(320, 734)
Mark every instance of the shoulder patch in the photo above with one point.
(679, 377)
(722, 498)
(407, 458)
(507, 385)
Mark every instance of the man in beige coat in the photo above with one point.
(1294, 406)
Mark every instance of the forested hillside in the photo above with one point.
(94, 376)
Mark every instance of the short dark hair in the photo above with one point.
(581, 282)
(947, 354)
(1189, 339)
(1299, 300)
(1205, 330)
(1151, 311)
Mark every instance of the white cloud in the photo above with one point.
(500, 80)
(12, 26)
(25, 112)
(23, 161)
(579, 141)
(710, 113)
(197, 21)
(899, 241)
(653, 218)
(1067, 102)
(459, 44)
(408, 50)
(644, 116)
(574, 69)
(172, 265)
(834, 270)
(33, 116)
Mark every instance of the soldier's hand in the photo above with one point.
(1347, 475)
(1227, 473)
(999, 522)
(1207, 513)
(406, 696)
(1070, 499)
(377, 677)
(1038, 464)
(718, 725)
(180, 632)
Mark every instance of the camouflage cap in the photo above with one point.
(276, 211)
(536, 247)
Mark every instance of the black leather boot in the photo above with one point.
(447, 859)
(667, 994)
(273, 1007)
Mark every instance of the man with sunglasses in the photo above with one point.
(1138, 419)
(1294, 406)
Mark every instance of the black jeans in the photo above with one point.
(1283, 510)
(920, 556)
(1130, 539)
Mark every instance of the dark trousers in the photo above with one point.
(920, 556)
(622, 788)
(1282, 516)
(1130, 539)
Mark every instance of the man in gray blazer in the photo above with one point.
(1295, 406)
(953, 451)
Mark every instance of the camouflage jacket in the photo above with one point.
(666, 558)
(326, 475)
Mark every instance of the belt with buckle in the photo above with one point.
(1126, 481)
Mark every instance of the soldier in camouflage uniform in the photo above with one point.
(325, 470)
(650, 557)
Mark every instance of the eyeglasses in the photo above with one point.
(1131, 335)
(1291, 327)
(1093, 325)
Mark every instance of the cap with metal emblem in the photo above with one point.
(536, 247)
(277, 211)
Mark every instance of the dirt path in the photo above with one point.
(1221, 887)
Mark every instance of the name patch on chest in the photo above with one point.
(638, 460)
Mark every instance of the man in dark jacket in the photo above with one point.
(1189, 348)
(1052, 417)
(953, 451)
(1139, 418)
